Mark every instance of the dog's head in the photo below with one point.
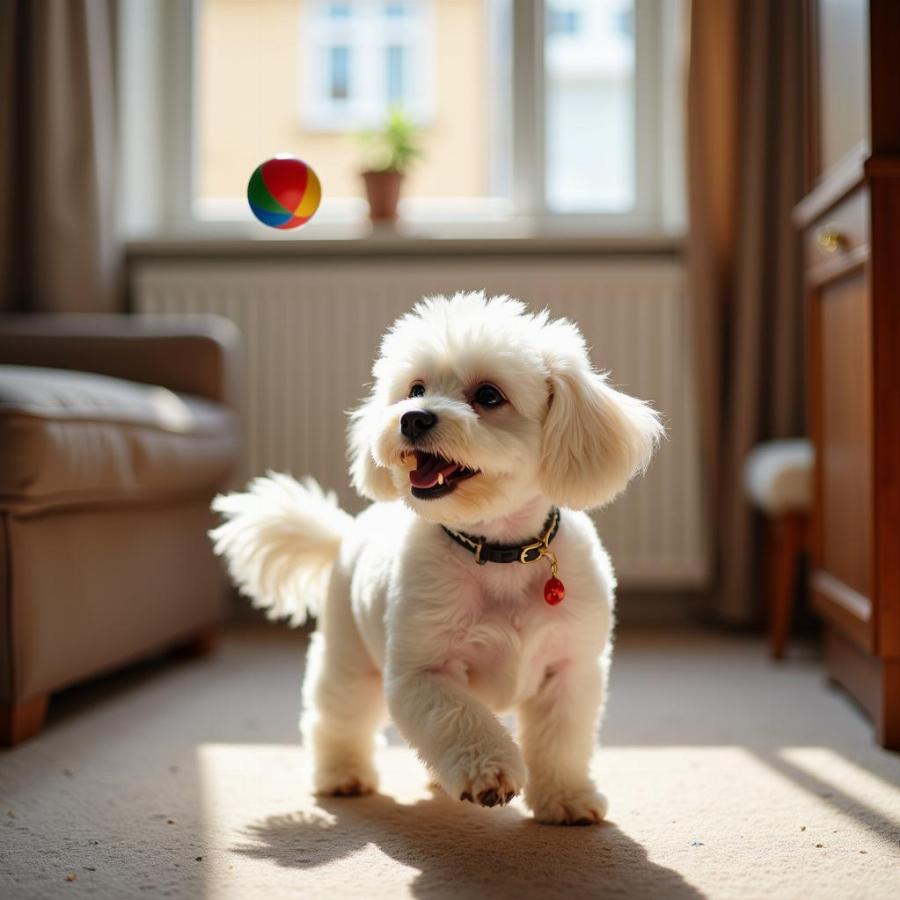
(479, 406)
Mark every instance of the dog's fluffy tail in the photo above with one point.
(280, 540)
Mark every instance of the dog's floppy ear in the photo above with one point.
(594, 438)
(370, 480)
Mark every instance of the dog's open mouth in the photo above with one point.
(435, 476)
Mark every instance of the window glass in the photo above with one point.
(307, 77)
(564, 21)
(395, 56)
(339, 75)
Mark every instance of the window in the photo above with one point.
(395, 75)
(541, 114)
(339, 73)
(563, 21)
(378, 56)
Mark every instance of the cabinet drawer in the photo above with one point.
(841, 318)
(841, 235)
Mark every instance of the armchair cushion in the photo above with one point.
(73, 437)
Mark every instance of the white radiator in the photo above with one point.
(311, 329)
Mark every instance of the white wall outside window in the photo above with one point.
(387, 49)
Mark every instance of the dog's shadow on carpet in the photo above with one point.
(462, 851)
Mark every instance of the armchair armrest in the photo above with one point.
(196, 354)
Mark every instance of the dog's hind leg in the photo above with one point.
(343, 703)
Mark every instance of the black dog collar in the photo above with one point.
(500, 553)
(554, 589)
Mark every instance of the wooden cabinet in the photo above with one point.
(851, 223)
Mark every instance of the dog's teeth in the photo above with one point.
(440, 479)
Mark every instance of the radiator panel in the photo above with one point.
(311, 330)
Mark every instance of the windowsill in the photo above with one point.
(233, 239)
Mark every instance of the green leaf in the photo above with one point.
(393, 147)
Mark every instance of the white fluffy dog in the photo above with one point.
(476, 583)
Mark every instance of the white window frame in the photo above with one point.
(157, 52)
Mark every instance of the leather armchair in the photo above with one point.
(115, 433)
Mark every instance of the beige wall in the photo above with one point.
(249, 90)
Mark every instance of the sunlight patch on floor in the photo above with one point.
(874, 797)
(690, 818)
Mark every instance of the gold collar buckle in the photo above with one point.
(533, 552)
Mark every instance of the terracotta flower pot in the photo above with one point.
(383, 191)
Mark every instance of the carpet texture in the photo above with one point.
(727, 777)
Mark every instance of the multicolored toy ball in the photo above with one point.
(284, 192)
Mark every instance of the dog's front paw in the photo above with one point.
(493, 788)
(345, 781)
(581, 806)
(486, 777)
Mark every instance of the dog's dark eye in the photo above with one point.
(417, 390)
(488, 396)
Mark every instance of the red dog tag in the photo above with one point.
(554, 591)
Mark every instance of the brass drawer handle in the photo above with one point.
(830, 239)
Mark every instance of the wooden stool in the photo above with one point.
(778, 481)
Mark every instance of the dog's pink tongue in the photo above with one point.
(428, 469)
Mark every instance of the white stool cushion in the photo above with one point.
(778, 476)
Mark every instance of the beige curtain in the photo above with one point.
(57, 156)
(745, 173)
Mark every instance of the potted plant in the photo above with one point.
(391, 150)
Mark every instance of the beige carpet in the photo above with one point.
(727, 777)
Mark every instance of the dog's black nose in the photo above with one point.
(415, 423)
